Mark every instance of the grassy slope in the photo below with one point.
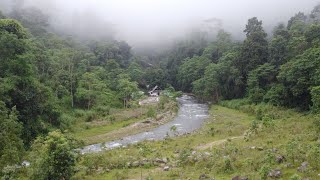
(287, 128)
(102, 129)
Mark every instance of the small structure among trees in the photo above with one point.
(155, 92)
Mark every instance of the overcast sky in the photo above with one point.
(142, 21)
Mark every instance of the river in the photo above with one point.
(190, 117)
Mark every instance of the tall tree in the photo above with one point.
(11, 145)
(191, 70)
(254, 50)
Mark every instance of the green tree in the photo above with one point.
(126, 88)
(11, 145)
(222, 44)
(19, 87)
(90, 90)
(299, 75)
(260, 81)
(312, 35)
(220, 81)
(53, 157)
(191, 70)
(254, 50)
(278, 46)
(136, 72)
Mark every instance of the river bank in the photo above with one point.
(189, 118)
(127, 122)
(231, 143)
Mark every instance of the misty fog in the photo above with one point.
(150, 22)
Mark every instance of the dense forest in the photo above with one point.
(46, 76)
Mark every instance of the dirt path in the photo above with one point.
(218, 142)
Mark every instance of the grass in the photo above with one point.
(87, 134)
(278, 132)
(111, 127)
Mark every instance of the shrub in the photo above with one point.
(151, 113)
(264, 171)
(53, 157)
(315, 97)
(295, 177)
(227, 166)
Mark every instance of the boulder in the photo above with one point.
(165, 160)
(239, 178)
(135, 164)
(203, 176)
(303, 167)
(166, 168)
(280, 159)
(260, 148)
(275, 173)
(274, 150)
(158, 160)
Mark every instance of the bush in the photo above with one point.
(227, 165)
(90, 116)
(163, 100)
(316, 124)
(66, 121)
(315, 97)
(103, 110)
(313, 156)
(151, 113)
(295, 177)
(54, 157)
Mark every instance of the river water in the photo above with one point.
(190, 117)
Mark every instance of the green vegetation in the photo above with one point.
(228, 145)
(58, 93)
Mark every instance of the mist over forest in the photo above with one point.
(157, 23)
(159, 89)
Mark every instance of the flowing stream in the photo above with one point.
(190, 117)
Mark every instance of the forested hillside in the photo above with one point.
(49, 80)
(281, 68)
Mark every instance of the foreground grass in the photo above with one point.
(231, 143)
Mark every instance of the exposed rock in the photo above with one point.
(25, 163)
(240, 178)
(194, 152)
(280, 159)
(303, 167)
(128, 164)
(260, 148)
(207, 154)
(165, 160)
(161, 161)
(288, 165)
(275, 173)
(135, 164)
(274, 150)
(166, 168)
(203, 176)
(252, 147)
